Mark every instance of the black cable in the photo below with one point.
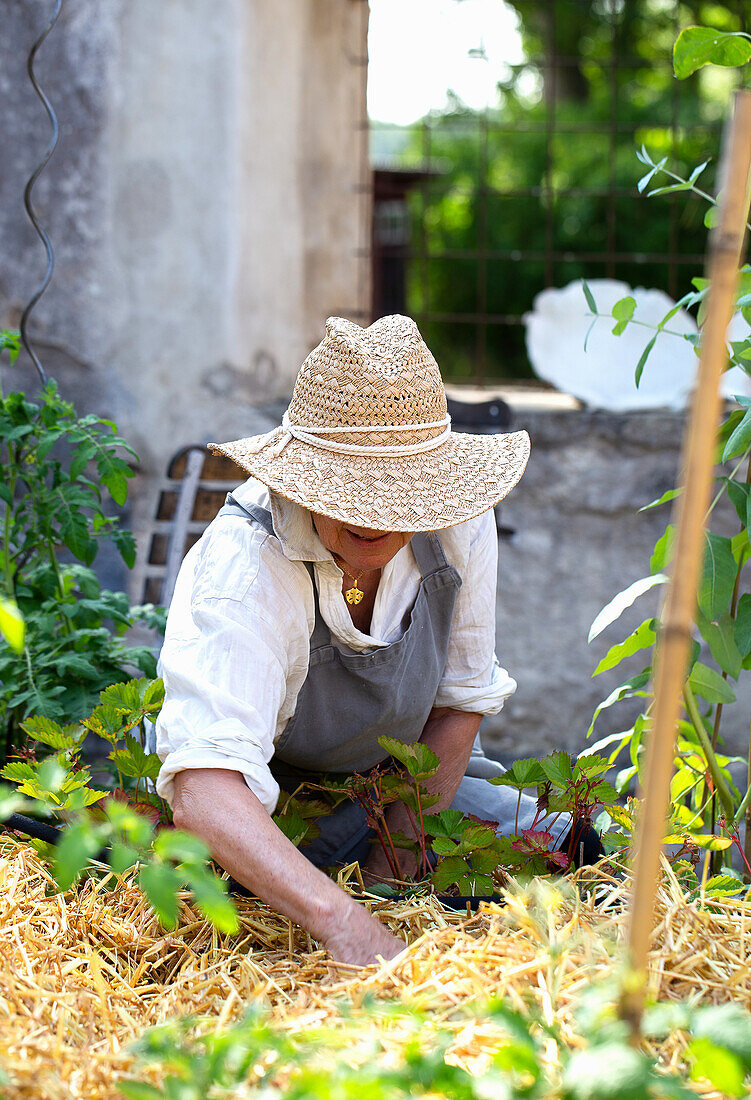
(41, 233)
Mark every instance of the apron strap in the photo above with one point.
(321, 635)
(262, 516)
(428, 551)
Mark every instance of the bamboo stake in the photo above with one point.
(725, 247)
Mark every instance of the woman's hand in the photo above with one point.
(218, 806)
(360, 940)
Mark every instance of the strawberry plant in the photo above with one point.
(116, 824)
(51, 771)
(469, 852)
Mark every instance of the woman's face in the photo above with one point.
(359, 547)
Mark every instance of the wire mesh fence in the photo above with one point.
(477, 212)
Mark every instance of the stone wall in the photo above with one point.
(208, 204)
(579, 539)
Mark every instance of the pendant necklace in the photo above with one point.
(353, 594)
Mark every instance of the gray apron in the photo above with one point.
(350, 699)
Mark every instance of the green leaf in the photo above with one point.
(122, 857)
(213, 900)
(704, 841)
(12, 625)
(603, 792)
(619, 603)
(642, 638)
(643, 360)
(134, 762)
(588, 296)
(626, 690)
(590, 764)
(485, 860)
(724, 886)
(717, 1065)
(663, 551)
(473, 884)
(743, 624)
(475, 836)
(140, 1090)
(124, 697)
(447, 823)
(106, 722)
(160, 883)
(698, 46)
(717, 581)
(671, 494)
(420, 761)
(738, 494)
(424, 763)
(623, 311)
(80, 842)
(740, 439)
(727, 1025)
(181, 847)
(611, 1071)
(720, 637)
(522, 773)
(51, 733)
(448, 871)
(444, 846)
(153, 697)
(557, 768)
(293, 826)
(708, 683)
(619, 739)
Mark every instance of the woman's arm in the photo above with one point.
(217, 805)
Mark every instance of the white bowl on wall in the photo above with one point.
(603, 375)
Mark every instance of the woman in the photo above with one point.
(321, 610)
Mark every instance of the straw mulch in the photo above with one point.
(85, 972)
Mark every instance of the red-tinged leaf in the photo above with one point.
(145, 809)
(533, 841)
(559, 858)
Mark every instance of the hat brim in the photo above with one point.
(428, 491)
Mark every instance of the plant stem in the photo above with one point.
(362, 799)
(720, 491)
(718, 778)
(737, 842)
(7, 558)
(416, 831)
(421, 837)
(381, 826)
(733, 609)
(747, 836)
(396, 866)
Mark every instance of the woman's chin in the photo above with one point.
(371, 551)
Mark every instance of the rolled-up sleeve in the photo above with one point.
(226, 664)
(473, 680)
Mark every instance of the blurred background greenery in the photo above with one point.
(476, 212)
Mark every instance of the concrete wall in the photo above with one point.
(208, 203)
(579, 539)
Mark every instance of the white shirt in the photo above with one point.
(237, 643)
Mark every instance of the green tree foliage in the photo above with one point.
(552, 169)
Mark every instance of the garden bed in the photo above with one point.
(83, 973)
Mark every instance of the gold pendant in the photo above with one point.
(353, 595)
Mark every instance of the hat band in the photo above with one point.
(309, 433)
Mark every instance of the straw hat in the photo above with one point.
(367, 438)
